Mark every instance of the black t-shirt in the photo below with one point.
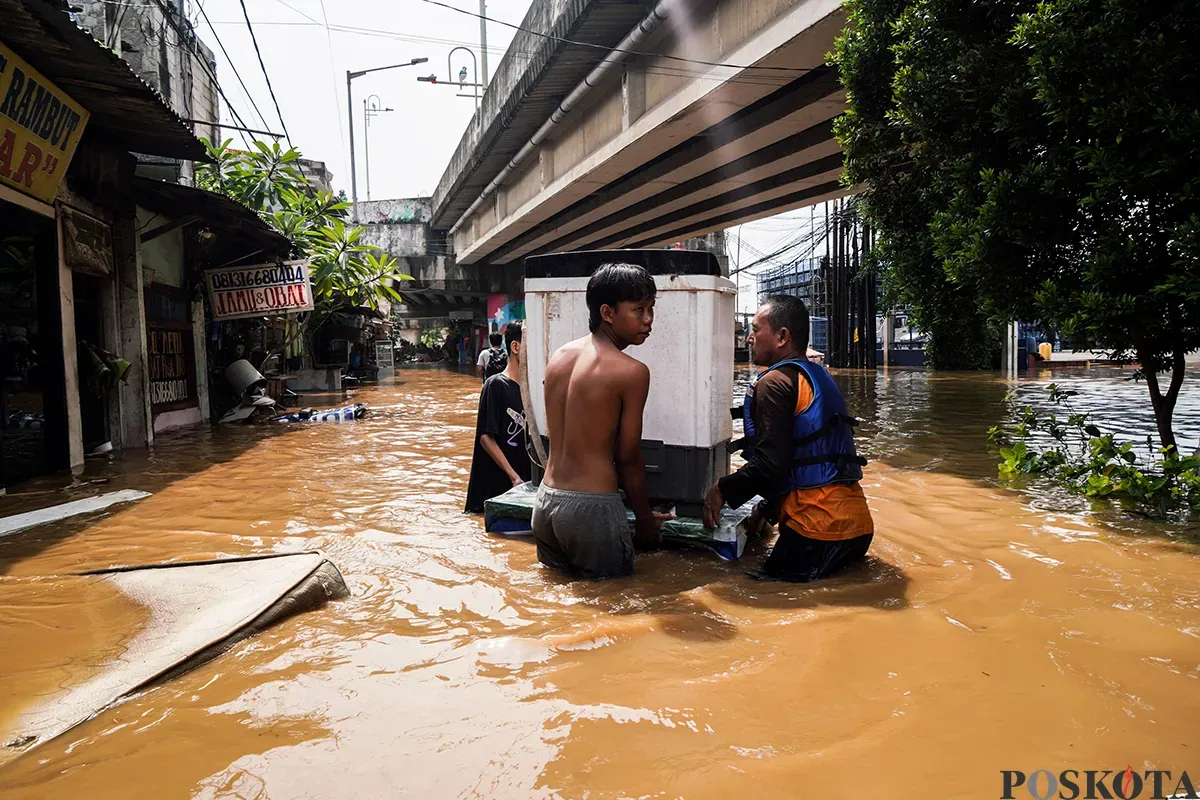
(502, 415)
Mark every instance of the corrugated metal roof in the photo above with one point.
(552, 70)
(222, 214)
(122, 106)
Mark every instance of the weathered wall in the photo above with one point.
(408, 209)
(399, 239)
(401, 229)
(182, 73)
(163, 254)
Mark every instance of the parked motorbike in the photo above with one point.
(251, 388)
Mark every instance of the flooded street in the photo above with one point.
(990, 628)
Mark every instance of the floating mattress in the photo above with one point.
(165, 619)
(510, 515)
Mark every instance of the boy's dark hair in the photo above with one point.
(512, 333)
(785, 311)
(495, 340)
(617, 283)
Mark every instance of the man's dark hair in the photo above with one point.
(512, 333)
(617, 283)
(495, 340)
(785, 311)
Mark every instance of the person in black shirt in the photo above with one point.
(500, 461)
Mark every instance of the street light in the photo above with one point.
(370, 109)
(461, 83)
(351, 75)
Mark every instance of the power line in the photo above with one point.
(233, 127)
(664, 70)
(270, 88)
(262, 118)
(614, 49)
(181, 38)
(333, 69)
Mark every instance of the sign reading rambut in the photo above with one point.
(260, 291)
(40, 127)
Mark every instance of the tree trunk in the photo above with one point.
(1164, 404)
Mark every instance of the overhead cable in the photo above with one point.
(262, 118)
(203, 63)
(615, 49)
(270, 88)
(681, 71)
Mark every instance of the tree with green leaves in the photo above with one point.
(1036, 161)
(345, 272)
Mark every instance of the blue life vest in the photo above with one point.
(822, 434)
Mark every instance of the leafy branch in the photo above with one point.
(1095, 464)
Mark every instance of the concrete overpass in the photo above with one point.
(441, 288)
(614, 124)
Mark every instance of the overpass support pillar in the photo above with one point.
(1008, 357)
(546, 164)
(633, 94)
(889, 335)
(501, 203)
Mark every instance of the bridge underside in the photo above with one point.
(665, 150)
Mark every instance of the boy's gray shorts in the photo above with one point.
(583, 533)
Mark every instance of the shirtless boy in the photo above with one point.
(595, 395)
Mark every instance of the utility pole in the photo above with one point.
(350, 76)
(370, 109)
(483, 39)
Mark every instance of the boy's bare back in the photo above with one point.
(594, 394)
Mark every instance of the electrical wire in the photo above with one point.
(565, 60)
(232, 66)
(333, 70)
(115, 34)
(180, 37)
(270, 88)
(614, 49)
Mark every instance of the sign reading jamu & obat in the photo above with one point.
(40, 127)
(263, 290)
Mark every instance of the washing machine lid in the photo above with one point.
(582, 263)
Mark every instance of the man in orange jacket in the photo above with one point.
(800, 454)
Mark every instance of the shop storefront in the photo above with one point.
(74, 366)
(33, 420)
(36, 148)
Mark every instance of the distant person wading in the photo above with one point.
(500, 460)
(493, 360)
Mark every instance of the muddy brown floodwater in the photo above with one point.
(991, 628)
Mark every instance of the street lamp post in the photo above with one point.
(476, 86)
(350, 76)
(370, 109)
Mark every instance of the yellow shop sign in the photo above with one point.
(40, 128)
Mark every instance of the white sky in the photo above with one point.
(410, 146)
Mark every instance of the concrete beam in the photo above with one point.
(798, 37)
(800, 198)
(633, 94)
(827, 168)
(440, 311)
(719, 183)
(794, 104)
(526, 87)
